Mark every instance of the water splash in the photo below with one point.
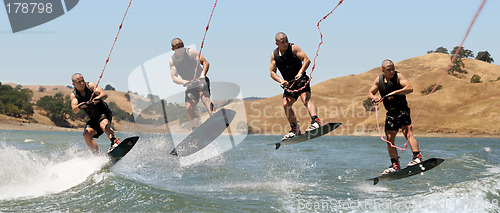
(28, 174)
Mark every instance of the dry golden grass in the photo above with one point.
(458, 108)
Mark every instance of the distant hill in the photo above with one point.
(459, 107)
(40, 91)
(252, 98)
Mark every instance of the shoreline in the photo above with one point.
(22, 126)
(36, 127)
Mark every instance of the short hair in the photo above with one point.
(386, 60)
(175, 41)
(74, 76)
(279, 35)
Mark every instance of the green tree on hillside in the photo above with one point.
(368, 104)
(463, 53)
(16, 102)
(484, 56)
(119, 114)
(442, 50)
(475, 79)
(56, 109)
(156, 112)
(457, 66)
(429, 89)
(439, 50)
(109, 87)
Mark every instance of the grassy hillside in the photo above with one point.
(39, 115)
(459, 107)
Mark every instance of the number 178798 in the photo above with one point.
(29, 8)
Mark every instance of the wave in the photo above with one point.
(480, 195)
(28, 174)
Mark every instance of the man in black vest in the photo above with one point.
(393, 87)
(292, 63)
(89, 97)
(185, 69)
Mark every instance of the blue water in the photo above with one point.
(55, 171)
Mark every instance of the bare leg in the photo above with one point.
(290, 114)
(408, 133)
(205, 98)
(87, 135)
(190, 105)
(306, 99)
(391, 136)
(106, 127)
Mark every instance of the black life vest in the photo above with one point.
(288, 64)
(93, 111)
(187, 66)
(398, 102)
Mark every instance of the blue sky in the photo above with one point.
(357, 37)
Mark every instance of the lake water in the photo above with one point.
(55, 171)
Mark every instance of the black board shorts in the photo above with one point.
(395, 119)
(298, 84)
(193, 91)
(94, 123)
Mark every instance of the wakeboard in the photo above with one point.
(122, 149)
(207, 132)
(409, 171)
(308, 135)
